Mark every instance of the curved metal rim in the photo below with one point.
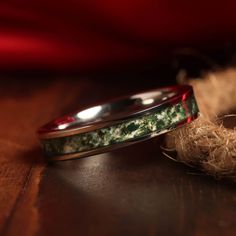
(181, 90)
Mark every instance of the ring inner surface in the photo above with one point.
(110, 111)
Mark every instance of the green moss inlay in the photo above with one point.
(153, 122)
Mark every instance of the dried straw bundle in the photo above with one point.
(206, 143)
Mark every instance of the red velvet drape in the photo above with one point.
(86, 34)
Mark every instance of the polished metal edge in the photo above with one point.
(186, 89)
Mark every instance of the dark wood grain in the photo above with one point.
(131, 191)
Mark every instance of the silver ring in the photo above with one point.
(118, 123)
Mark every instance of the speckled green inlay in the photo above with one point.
(154, 122)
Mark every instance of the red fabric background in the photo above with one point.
(92, 33)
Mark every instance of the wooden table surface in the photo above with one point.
(131, 191)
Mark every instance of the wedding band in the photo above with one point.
(118, 123)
